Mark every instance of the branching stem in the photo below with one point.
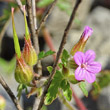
(59, 53)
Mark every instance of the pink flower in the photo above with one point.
(87, 67)
(87, 33)
(83, 39)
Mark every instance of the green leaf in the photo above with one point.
(50, 68)
(104, 78)
(72, 79)
(44, 3)
(82, 86)
(64, 57)
(41, 55)
(60, 65)
(50, 52)
(53, 89)
(96, 89)
(67, 92)
(64, 6)
(45, 54)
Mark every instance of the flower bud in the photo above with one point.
(72, 79)
(23, 73)
(2, 103)
(29, 53)
(65, 71)
(81, 44)
(72, 64)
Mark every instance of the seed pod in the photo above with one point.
(29, 53)
(23, 73)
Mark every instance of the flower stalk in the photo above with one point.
(82, 42)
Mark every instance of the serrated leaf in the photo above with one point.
(45, 54)
(60, 65)
(64, 57)
(41, 55)
(67, 92)
(82, 86)
(53, 89)
(50, 52)
(50, 68)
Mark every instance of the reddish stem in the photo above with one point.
(79, 103)
(49, 42)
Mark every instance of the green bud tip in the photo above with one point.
(26, 26)
(16, 42)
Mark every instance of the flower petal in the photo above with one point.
(90, 56)
(94, 67)
(90, 77)
(80, 73)
(79, 58)
(87, 33)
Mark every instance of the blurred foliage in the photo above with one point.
(104, 78)
(44, 107)
(102, 81)
(64, 5)
(7, 66)
(6, 14)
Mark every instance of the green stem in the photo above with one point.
(63, 100)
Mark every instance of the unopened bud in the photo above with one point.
(82, 42)
(29, 53)
(2, 103)
(65, 71)
(72, 64)
(72, 79)
(23, 72)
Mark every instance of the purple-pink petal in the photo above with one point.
(89, 77)
(79, 58)
(80, 73)
(89, 56)
(87, 32)
(94, 67)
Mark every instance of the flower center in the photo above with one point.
(84, 66)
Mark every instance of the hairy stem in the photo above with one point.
(59, 53)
